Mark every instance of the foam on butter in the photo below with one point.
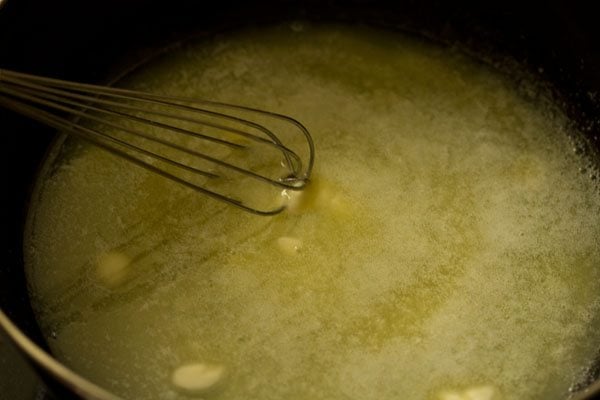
(449, 251)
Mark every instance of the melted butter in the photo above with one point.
(447, 245)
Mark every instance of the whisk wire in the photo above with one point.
(45, 99)
(124, 94)
(42, 99)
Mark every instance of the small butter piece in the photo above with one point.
(111, 268)
(311, 197)
(295, 201)
(485, 392)
(196, 377)
(480, 393)
(289, 245)
(451, 396)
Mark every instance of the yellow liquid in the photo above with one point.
(449, 247)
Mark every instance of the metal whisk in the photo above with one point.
(186, 140)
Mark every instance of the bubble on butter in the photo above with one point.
(195, 378)
(111, 268)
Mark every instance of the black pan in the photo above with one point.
(93, 41)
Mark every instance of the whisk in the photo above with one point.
(188, 141)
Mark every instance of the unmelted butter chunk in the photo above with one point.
(196, 378)
(111, 268)
(485, 392)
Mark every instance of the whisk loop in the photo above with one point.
(162, 133)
